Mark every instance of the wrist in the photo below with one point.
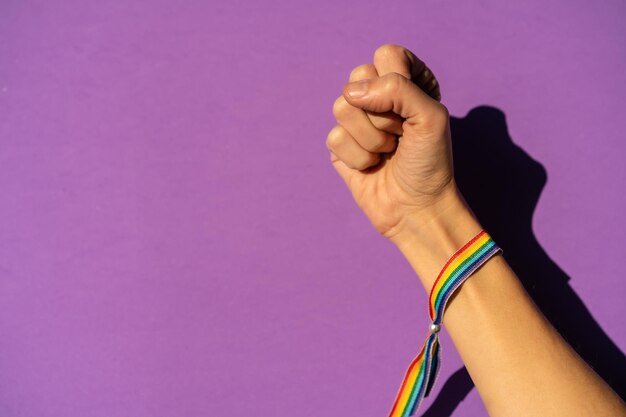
(428, 241)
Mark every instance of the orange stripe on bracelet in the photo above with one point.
(423, 370)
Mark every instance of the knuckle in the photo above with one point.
(334, 139)
(361, 72)
(393, 82)
(432, 88)
(388, 51)
(340, 107)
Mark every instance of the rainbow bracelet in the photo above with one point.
(423, 371)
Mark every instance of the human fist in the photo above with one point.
(392, 142)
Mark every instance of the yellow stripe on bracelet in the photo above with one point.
(423, 370)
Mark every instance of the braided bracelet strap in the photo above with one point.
(422, 373)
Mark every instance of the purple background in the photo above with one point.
(174, 240)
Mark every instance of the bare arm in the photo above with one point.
(519, 363)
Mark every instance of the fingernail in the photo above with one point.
(357, 89)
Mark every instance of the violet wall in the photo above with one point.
(175, 242)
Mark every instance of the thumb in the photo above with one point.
(392, 92)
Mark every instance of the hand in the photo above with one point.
(392, 144)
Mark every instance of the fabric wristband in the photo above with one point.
(422, 373)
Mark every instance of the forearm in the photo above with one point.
(518, 362)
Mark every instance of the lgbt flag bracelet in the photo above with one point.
(422, 373)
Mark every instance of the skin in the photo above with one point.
(392, 147)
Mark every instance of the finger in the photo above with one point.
(387, 122)
(356, 122)
(395, 58)
(346, 148)
(363, 72)
(393, 92)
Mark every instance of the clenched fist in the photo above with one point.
(392, 142)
